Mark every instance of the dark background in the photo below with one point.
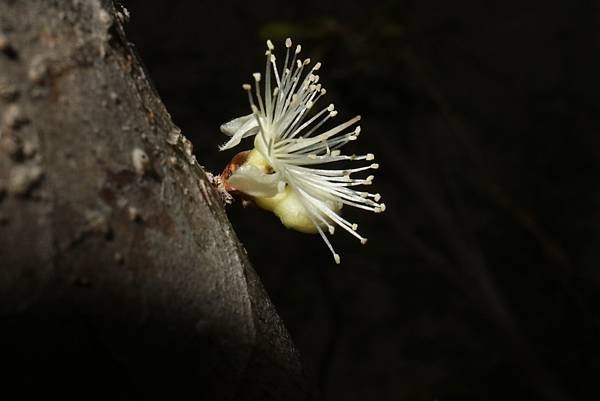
(480, 281)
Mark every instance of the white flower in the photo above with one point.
(281, 173)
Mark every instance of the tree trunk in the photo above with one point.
(121, 277)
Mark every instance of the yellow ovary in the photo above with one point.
(286, 204)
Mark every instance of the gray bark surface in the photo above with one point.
(120, 274)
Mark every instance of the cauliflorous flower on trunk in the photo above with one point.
(287, 171)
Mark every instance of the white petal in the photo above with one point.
(243, 123)
(239, 129)
(252, 181)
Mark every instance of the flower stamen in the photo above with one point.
(290, 144)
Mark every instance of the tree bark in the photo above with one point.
(121, 277)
